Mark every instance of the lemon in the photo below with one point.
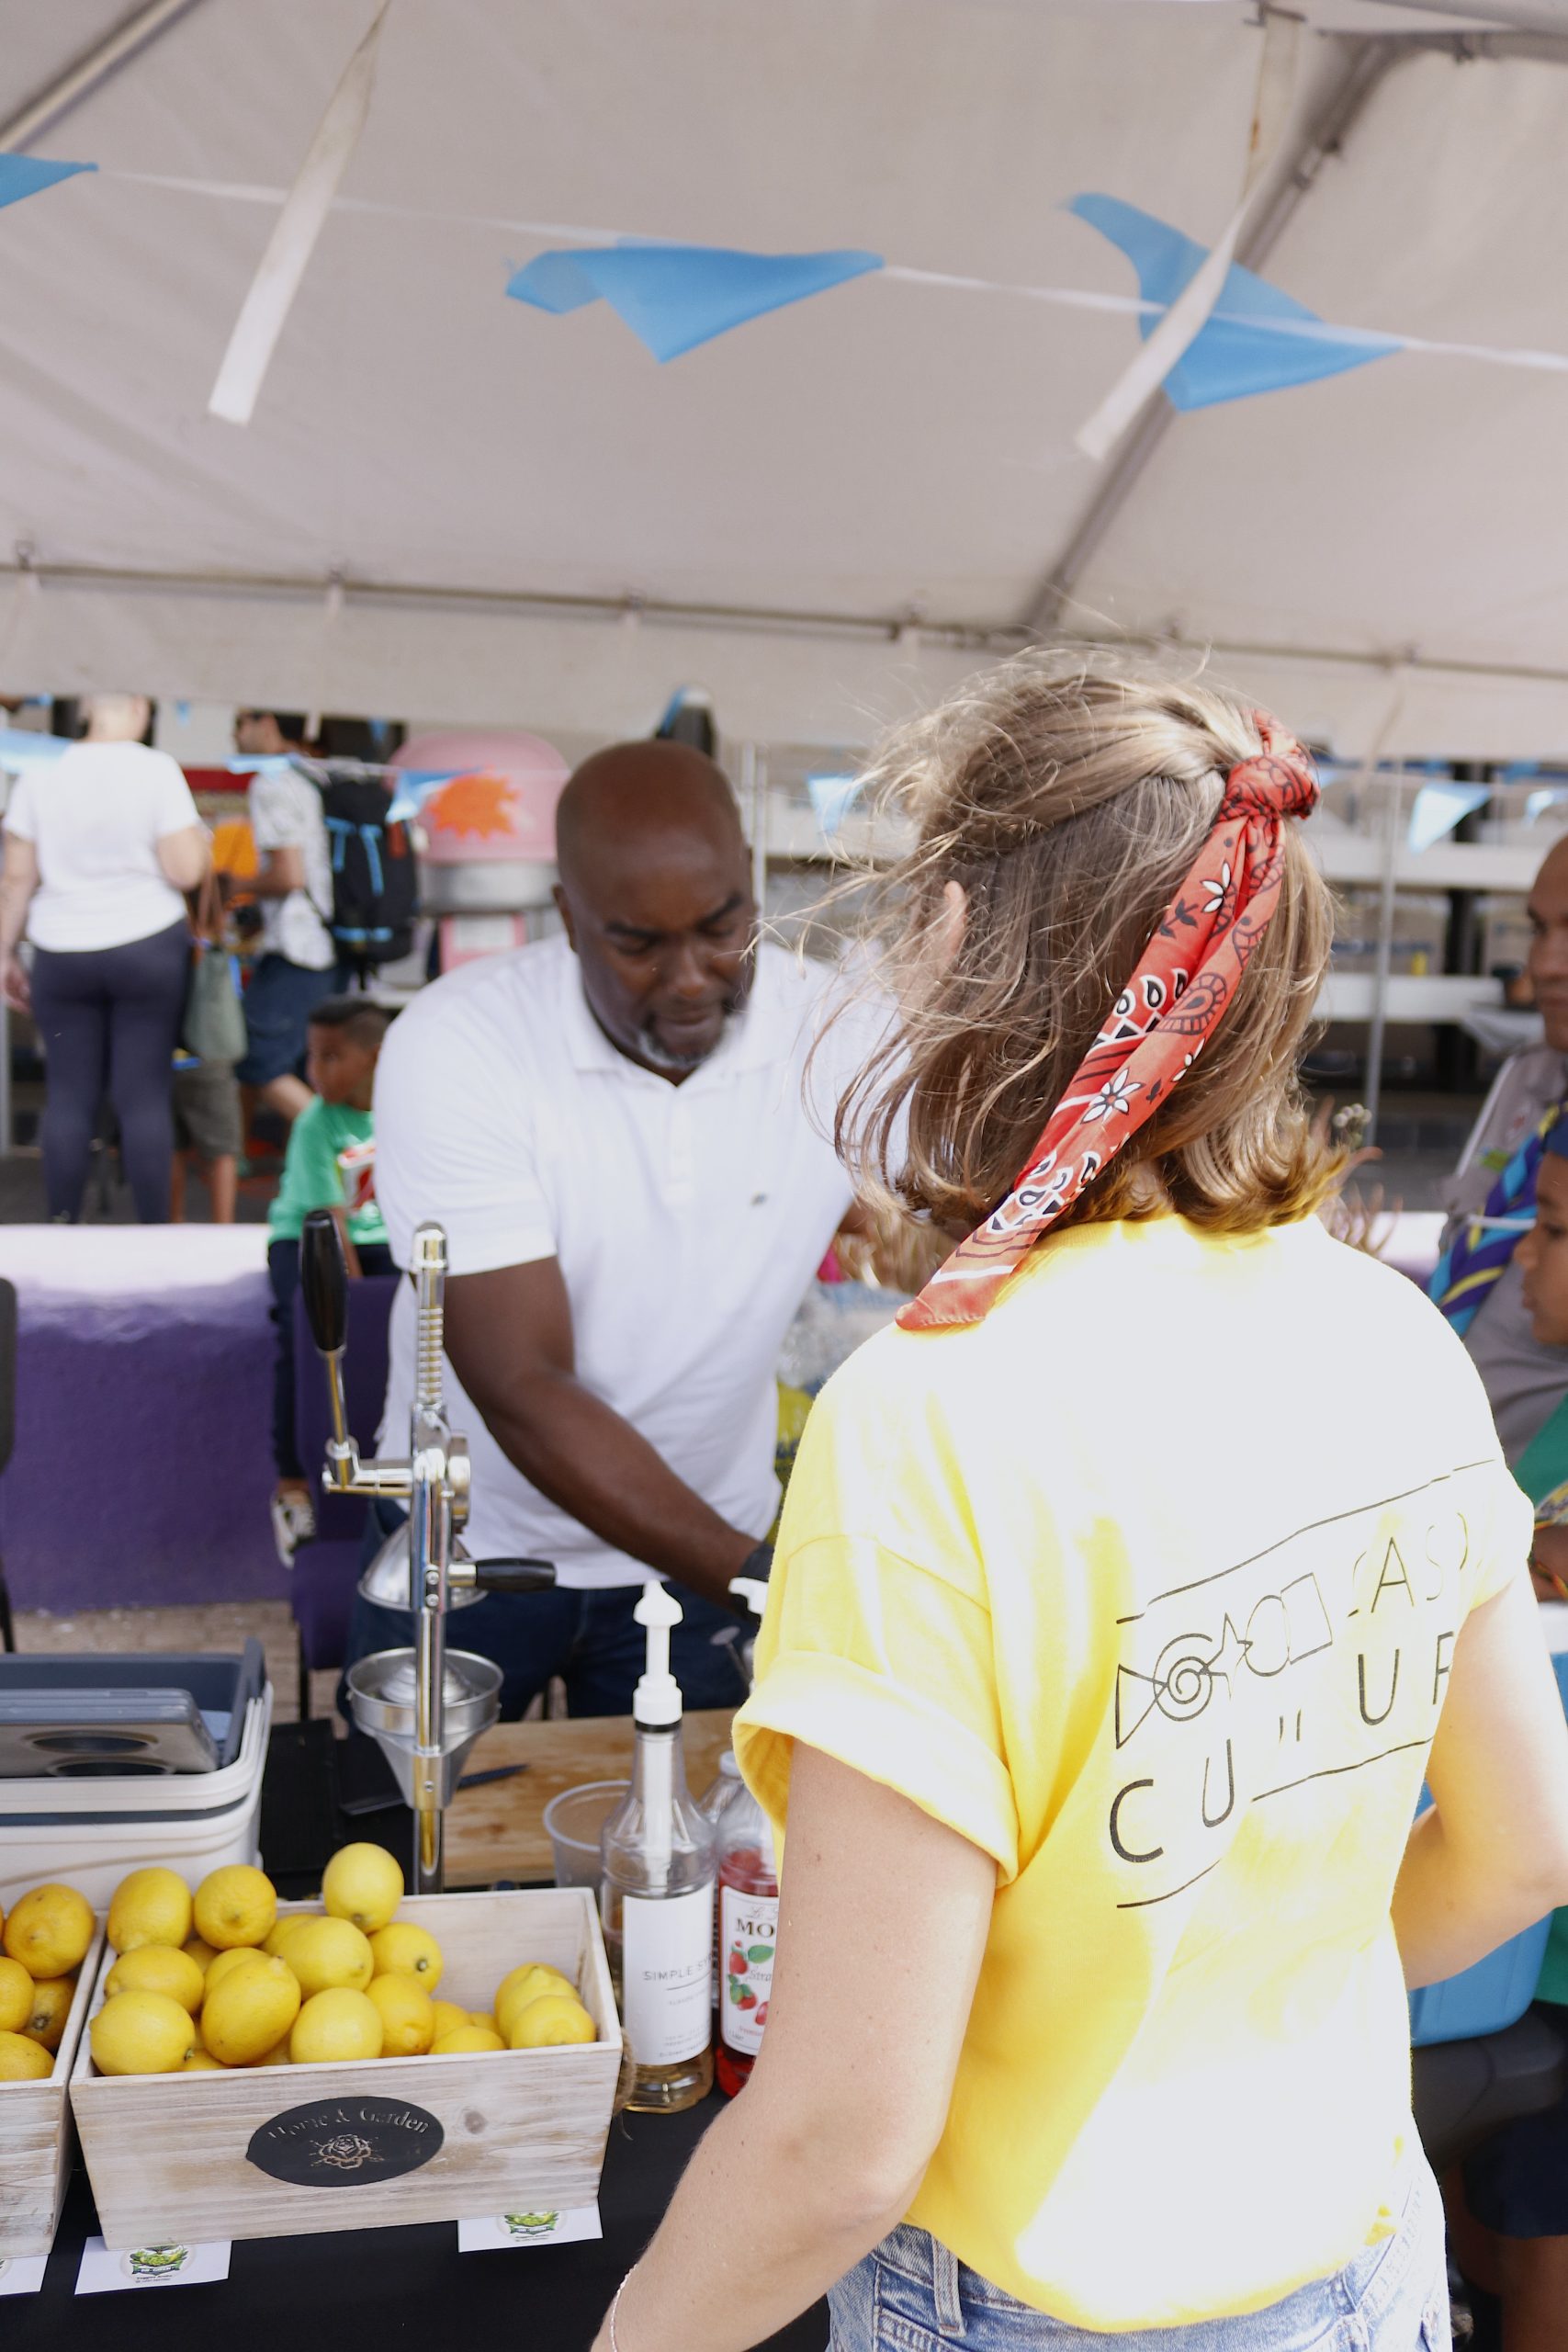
(278, 2056)
(22, 2061)
(226, 1963)
(485, 2017)
(450, 2018)
(158, 1968)
(406, 1950)
(203, 1955)
(406, 2013)
(49, 1931)
(524, 1984)
(277, 1940)
(554, 2018)
(141, 2033)
(16, 1996)
(250, 2011)
(151, 1906)
(52, 2006)
(336, 2024)
(465, 2036)
(199, 2062)
(328, 1953)
(235, 1906)
(363, 1883)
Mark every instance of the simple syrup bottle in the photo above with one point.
(657, 1891)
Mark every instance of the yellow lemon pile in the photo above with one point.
(220, 1980)
(45, 1938)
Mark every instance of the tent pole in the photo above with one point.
(51, 104)
(1393, 810)
(1368, 59)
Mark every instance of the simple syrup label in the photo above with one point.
(749, 1931)
(667, 1973)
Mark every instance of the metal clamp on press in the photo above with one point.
(424, 1706)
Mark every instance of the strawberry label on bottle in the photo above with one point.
(750, 1928)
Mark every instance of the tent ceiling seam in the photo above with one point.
(995, 638)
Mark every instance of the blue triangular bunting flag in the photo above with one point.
(674, 297)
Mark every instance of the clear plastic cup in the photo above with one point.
(574, 1820)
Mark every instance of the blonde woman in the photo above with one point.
(1125, 1594)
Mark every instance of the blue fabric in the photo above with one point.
(24, 175)
(278, 1004)
(1241, 350)
(1476, 1260)
(674, 297)
(911, 2295)
(590, 1639)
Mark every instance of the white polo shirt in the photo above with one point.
(688, 1220)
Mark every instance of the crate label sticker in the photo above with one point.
(162, 2263)
(569, 2225)
(22, 2274)
(346, 2142)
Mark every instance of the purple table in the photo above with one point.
(143, 1464)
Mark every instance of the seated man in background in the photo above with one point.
(610, 1126)
(1478, 1284)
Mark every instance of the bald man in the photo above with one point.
(610, 1126)
(1523, 1379)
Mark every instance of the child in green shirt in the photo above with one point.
(343, 1041)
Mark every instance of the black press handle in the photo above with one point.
(324, 1281)
(514, 1576)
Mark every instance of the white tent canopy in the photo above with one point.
(450, 504)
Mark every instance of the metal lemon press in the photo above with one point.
(424, 1706)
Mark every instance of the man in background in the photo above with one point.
(610, 1128)
(298, 963)
(1479, 1282)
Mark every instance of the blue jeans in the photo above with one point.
(278, 1004)
(911, 2295)
(590, 1639)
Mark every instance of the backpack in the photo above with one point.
(375, 876)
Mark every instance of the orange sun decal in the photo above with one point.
(480, 804)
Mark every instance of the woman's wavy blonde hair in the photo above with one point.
(1067, 795)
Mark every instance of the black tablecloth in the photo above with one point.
(408, 2287)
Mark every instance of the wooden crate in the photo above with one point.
(35, 2133)
(376, 2142)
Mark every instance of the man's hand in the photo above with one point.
(509, 1339)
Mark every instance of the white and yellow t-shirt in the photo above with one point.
(1149, 1585)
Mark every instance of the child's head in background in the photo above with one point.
(342, 1043)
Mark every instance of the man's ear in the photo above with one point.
(563, 908)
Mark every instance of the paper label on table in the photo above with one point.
(667, 1976)
(162, 2264)
(570, 2226)
(22, 2274)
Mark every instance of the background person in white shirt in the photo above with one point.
(610, 1128)
(298, 964)
(98, 848)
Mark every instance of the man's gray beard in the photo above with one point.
(659, 1055)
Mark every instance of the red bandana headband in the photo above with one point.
(1155, 1031)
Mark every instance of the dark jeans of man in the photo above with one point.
(283, 1271)
(590, 1639)
(109, 1019)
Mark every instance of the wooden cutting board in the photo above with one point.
(498, 1831)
